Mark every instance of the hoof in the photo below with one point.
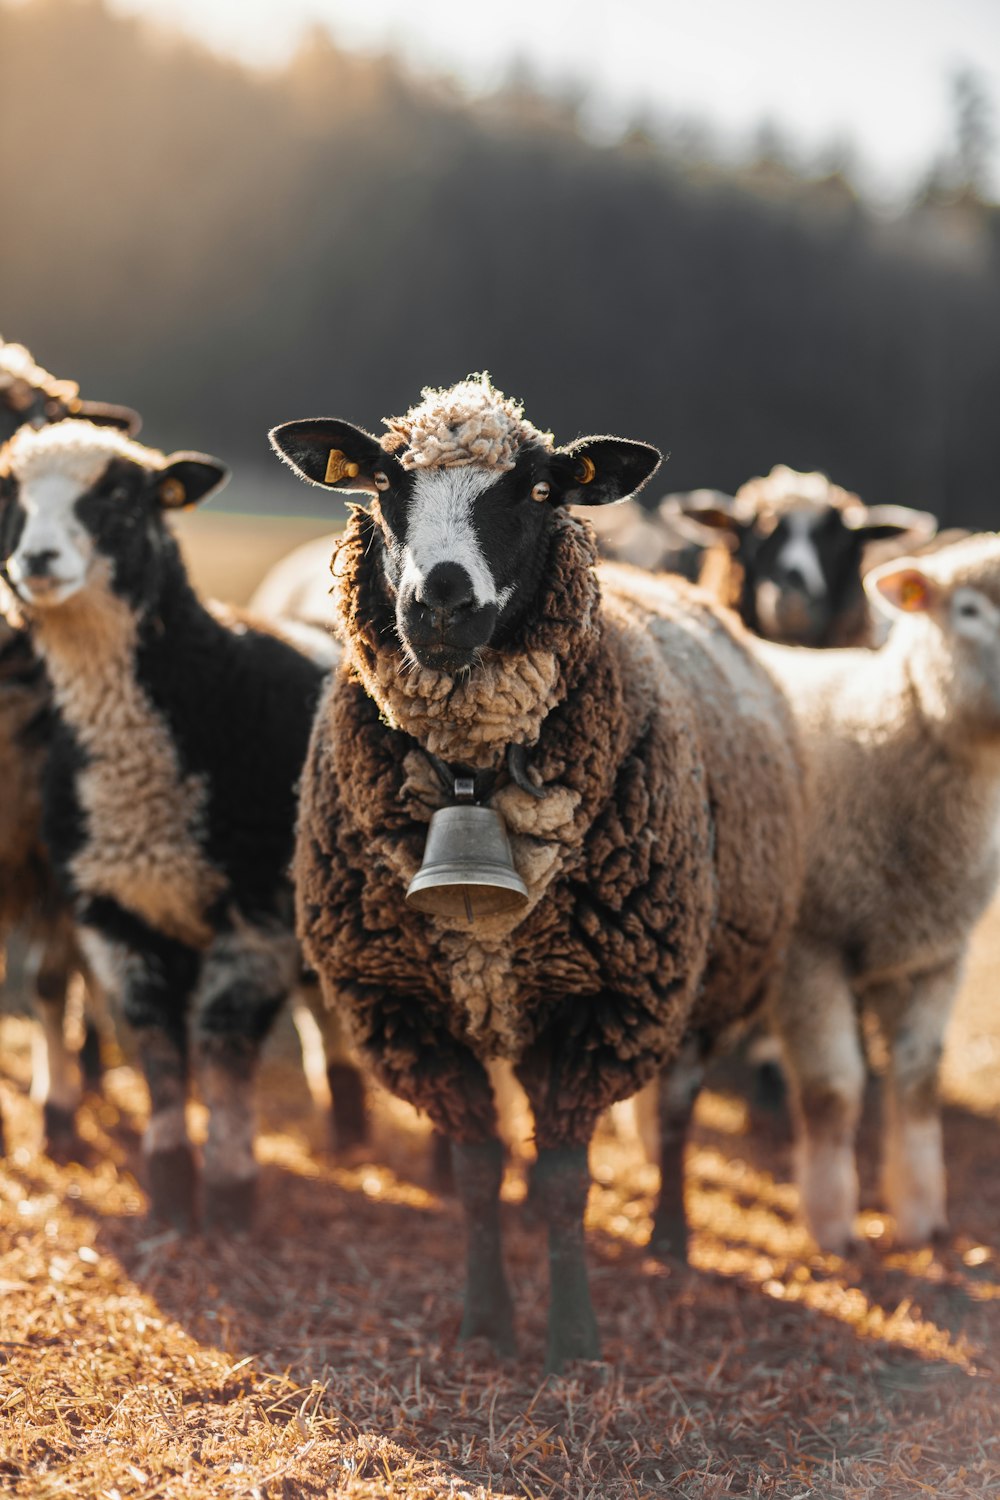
(59, 1127)
(172, 1180)
(229, 1206)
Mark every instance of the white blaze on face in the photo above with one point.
(52, 475)
(799, 552)
(439, 529)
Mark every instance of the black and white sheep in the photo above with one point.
(791, 552)
(643, 761)
(28, 899)
(170, 790)
(903, 751)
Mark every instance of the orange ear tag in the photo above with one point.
(172, 492)
(338, 468)
(586, 471)
(913, 594)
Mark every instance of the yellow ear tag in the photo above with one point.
(913, 594)
(172, 492)
(338, 468)
(586, 471)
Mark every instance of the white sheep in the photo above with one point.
(903, 748)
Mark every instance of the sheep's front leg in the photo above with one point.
(571, 1075)
(246, 977)
(816, 1018)
(915, 1017)
(155, 989)
(679, 1087)
(415, 1055)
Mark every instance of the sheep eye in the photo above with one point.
(969, 609)
(380, 479)
(541, 491)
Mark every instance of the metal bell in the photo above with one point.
(467, 870)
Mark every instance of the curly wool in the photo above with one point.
(467, 423)
(662, 865)
(769, 496)
(18, 368)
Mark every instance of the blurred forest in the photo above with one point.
(226, 249)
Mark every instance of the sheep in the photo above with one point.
(169, 795)
(791, 553)
(28, 899)
(645, 766)
(903, 749)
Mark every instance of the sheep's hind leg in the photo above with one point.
(246, 978)
(679, 1086)
(320, 1030)
(913, 1170)
(55, 1076)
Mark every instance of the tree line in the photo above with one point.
(226, 248)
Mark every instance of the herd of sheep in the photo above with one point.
(711, 819)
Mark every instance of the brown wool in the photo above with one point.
(662, 865)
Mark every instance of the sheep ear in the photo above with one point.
(105, 414)
(188, 478)
(333, 454)
(901, 587)
(704, 517)
(604, 470)
(879, 522)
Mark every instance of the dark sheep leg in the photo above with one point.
(349, 1109)
(415, 1055)
(679, 1087)
(562, 1182)
(489, 1311)
(244, 983)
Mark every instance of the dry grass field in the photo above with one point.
(319, 1357)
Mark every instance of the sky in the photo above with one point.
(870, 72)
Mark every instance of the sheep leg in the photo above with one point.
(488, 1311)
(55, 1075)
(413, 1052)
(679, 1088)
(569, 1079)
(816, 1018)
(246, 978)
(319, 1027)
(562, 1179)
(913, 1166)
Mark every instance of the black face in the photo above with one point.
(804, 572)
(464, 549)
(54, 527)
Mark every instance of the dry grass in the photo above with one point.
(320, 1358)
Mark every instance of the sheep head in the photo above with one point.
(465, 493)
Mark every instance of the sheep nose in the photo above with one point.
(795, 578)
(446, 589)
(39, 564)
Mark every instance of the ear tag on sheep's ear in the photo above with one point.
(913, 593)
(586, 470)
(338, 468)
(467, 870)
(172, 492)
